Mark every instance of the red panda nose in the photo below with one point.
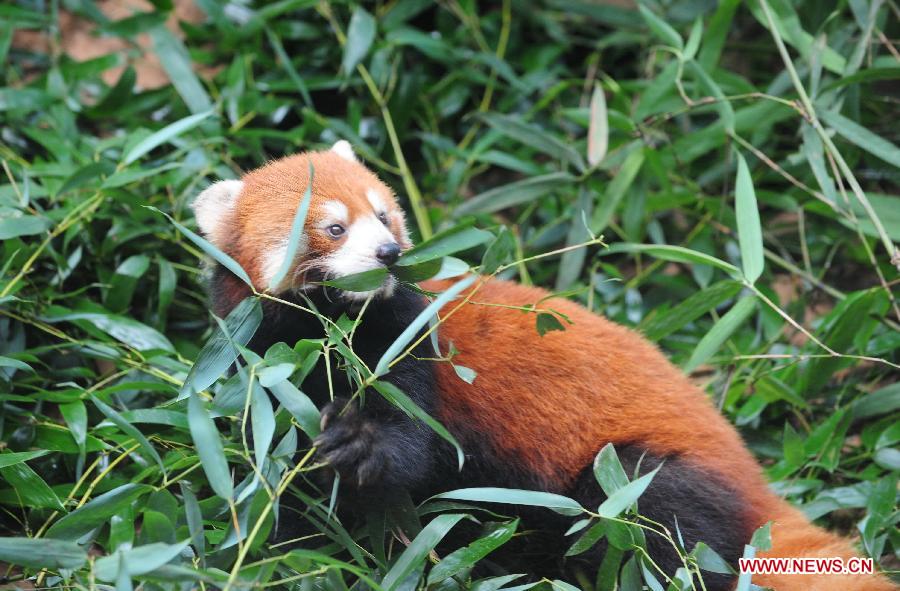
(387, 254)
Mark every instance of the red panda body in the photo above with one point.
(540, 408)
(554, 401)
(594, 383)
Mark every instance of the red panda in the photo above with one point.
(541, 407)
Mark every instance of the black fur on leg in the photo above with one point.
(350, 444)
(374, 450)
(683, 498)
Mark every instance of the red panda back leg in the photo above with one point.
(692, 504)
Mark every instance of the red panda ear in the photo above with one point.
(343, 149)
(213, 207)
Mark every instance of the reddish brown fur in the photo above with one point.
(606, 384)
(549, 402)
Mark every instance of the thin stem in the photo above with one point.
(248, 541)
(798, 271)
(790, 320)
(485, 103)
(420, 212)
(80, 211)
(805, 356)
(826, 139)
(787, 176)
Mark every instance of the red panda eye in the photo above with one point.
(335, 230)
(383, 217)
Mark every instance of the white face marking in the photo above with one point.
(213, 206)
(335, 212)
(376, 201)
(343, 149)
(357, 254)
(274, 258)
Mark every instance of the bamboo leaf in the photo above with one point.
(296, 236)
(626, 496)
(299, 405)
(749, 228)
(262, 419)
(467, 557)
(207, 247)
(572, 261)
(398, 398)
(498, 252)
(12, 458)
(122, 328)
(194, 519)
(720, 332)
(515, 193)
(861, 137)
(26, 225)
(360, 35)
(536, 138)
(419, 323)
(677, 254)
(588, 539)
(693, 42)
(881, 402)
(608, 470)
(96, 512)
(722, 104)
(512, 496)
(218, 353)
(450, 241)
(814, 152)
(661, 28)
(598, 130)
(174, 58)
(42, 553)
(137, 561)
(661, 325)
(357, 282)
(75, 415)
(616, 190)
(31, 489)
(129, 430)
(716, 32)
(422, 271)
(166, 134)
(15, 364)
(416, 553)
(209, 447)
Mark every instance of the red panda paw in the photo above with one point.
(351, 445)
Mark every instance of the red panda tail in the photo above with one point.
(793, 536)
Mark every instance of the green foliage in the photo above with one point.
(738, 159)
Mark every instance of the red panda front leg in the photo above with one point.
(372, 446)
(376, 447)
(349, 443)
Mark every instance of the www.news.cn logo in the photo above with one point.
(807, 566)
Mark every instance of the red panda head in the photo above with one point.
(354, 223)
